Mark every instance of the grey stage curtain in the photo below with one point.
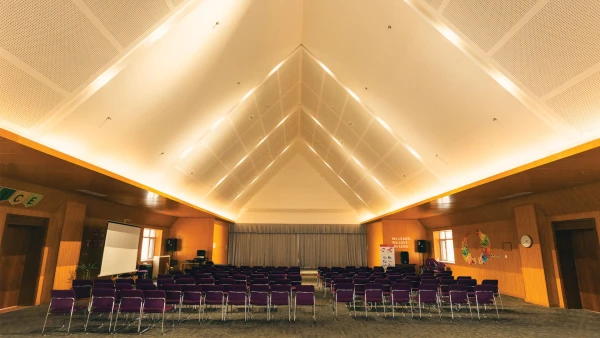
(307, 245)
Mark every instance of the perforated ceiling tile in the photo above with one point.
(403, 162)
(271, 118)
(311, 74)
(580, 104)
(434, 3)
(277, 146)
(213, 174)
(346, 136)
(245, 172)
(328, 119)
(219, 140)
(385, 175)
(291, 99)
(558, 43)
(261, 162)
(232, 156)
(267, 94)
(178, 2)
(379, 139)
(289, 73)
(55, 38)
(321, 149)
(485, 22)
(367, 157)
(253, 136)
(334, 96)
(309, 99)
(23, 100)
(322, 138)
(127, 20)
(356, 117)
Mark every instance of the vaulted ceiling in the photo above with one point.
(395, 101)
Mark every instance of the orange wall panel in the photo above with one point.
(192, 234)
(374, 238)
(221, 242)
(395, 232)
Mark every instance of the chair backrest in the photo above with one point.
(259, 297)
(131, 299)
(164, 275)
(125, 281)
(237, 288)
(400, 286)
(361, 281)
(281, 288)
(103, 299)
(427, 286)
(401, 295)
(62, 300)
(344, 286)
(463, 277)
(82, 282)
(146, 287)
(260, 287)
(205, 281)
(191, 292)
(143, 281)
(457, 287)
(373, 295)
(182, 275)
(305, 288)
(428, 296)
(188, 281)
(458, 296)
(373, 286)
(489, 282)
(155, 299)
(258, 281)
(484, 294)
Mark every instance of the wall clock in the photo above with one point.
(526, 241)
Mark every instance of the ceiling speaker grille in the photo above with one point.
(23, 100)
(580, 104)
(434, 3)
(558, 43)
(55, 38)
(127, 20)
(485, 22)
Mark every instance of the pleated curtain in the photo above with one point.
(306, 245)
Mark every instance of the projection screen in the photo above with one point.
(120, 249)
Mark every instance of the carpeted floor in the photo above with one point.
(519, 319)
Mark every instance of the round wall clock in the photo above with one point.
(526, 241)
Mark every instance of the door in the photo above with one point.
(20, 260)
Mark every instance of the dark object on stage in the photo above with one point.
(422, 246)
(404, 257)
(171, 244)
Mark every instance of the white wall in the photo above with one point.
(298, 194)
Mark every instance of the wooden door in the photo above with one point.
(586, 255)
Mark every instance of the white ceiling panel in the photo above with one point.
(267, 94)
(333, 96)
(271, 118)
(291, 99)
(328, 119)
(309, 99)
(379, 139)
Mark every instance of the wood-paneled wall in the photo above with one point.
(70, 244)
(192, 234)
(505, 266)
(405, 229)
(374, 238)
(221, 242)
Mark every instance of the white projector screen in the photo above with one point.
(120, 249)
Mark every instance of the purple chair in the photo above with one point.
(103, 284)
(162, 281)
(484, 295)
(281, 294)
(497, 294)
(214, 295)
(132, 301)
(344, 293)
(185, 281)
(374, 295)
(155, 301)
(260, 281)
(305, 296)
(457, 294)
(427, 296)
(144, 287)
(182, 275)
(259, 298)
(400, 294)
(124, 281)
(205, 281)
(192, 297)
(237, 296)
(164, 275)
(103, 301)
(62, 302)
(174, 294)
(143, 281)
(82, 288)
(295, 279)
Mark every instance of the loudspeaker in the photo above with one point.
(171, 244)
(422, 246)
(201, 253)
(404, 257)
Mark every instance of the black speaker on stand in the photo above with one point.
(421, 249)
(171, 244)
(404, 257)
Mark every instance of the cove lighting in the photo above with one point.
(280, 123)
(414, 152)
(276, 68)
(186, 152)
(317, 121)
(219, 121)
(311, 148)
(221, 181)
(336, 141)
(254, 180)
(157, 34)
(353, 95)
(103, 78)
(376, 181)
(357, 162)
(247, 94)
(325, 68)
(242, 160)
(382, 122)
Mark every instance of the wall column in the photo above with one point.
(532, 263)
(70, 244)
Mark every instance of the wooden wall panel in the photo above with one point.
(50, 255)
(192, 234)
(374, 238)
(70, 245)
(394, 230)
(505, 266)
(221, 242)
(532, 264)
